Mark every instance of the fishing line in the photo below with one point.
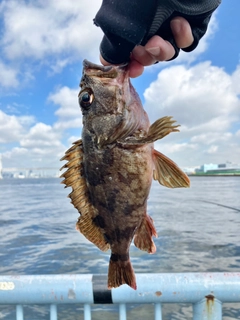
(218, 204)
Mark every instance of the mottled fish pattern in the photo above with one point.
(111, 168)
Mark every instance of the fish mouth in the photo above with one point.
(93, 69)
(90, 65)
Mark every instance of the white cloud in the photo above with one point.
(196, 95)
(59, 65)
(205, 101)
(15, 153)
(41, 136)
(39, 146)
(236, 80)
(69, 113)
(67, 99)
(62, 125)
(8, 76)
(49, 27)
(21, 157)
(35, 143)
(212, 149)
(73, 139)
(48, 33)
(211, 137)
(12, 128)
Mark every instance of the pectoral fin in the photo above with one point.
(158, 130)
(73, 178)
(161, 128)
(168, 173)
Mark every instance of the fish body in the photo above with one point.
(111, 168)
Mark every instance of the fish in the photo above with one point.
(111, 168)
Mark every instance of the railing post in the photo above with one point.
(87, 311)
(158, 311)
(209, 308)
(53, 312)
(19, 312)
(122, 311)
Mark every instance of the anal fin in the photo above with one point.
(168, 173)
(143, 236)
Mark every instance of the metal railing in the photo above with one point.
(205, 291)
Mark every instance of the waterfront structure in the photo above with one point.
(225, 171)
(20, 173)
(209, 166)
(227, 168)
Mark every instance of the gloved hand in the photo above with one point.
(129, 23)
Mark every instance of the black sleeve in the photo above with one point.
(127, 23)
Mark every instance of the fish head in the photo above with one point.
(110, 106)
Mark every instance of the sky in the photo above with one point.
(42, 46)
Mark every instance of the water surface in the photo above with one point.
(198, 231)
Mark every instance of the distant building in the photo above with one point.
(209, 166)
(229, 165)
(222, 165)
(227, 168)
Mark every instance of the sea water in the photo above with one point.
(198, 231)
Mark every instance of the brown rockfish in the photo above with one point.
(111, 169)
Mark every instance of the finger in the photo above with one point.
(156, 49)
(103, 62)
(160, 49)
(140, 54)
(135, 69)
(182, 32)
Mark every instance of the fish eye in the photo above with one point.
(85, 99)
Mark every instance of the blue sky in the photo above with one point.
(42, 45)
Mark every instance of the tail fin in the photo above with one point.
(120, 271)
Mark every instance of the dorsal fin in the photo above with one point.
(73, 178)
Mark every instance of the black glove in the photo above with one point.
(127, 23)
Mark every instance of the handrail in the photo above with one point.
(206, 291)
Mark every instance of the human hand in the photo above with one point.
(158, 49)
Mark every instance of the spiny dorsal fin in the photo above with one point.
(168, 173)
(73, 178)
